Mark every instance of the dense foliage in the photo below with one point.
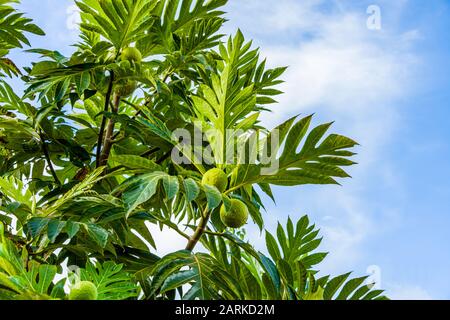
(87, 163)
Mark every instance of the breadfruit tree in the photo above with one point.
(89, 158)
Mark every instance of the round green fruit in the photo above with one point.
(131, 54)
(236, 216)
(216, 178)
(127, 88)
(110, 57)
(83, 290)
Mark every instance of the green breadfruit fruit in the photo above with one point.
(126, 88)
(216, 178)
(110, 57)
(236, 216)
(131, 54)
(83, 290)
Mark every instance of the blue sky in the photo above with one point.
(388, 89)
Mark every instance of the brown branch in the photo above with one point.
(47, 157)
(109, 139)
(164, 157)
(150, 152)
(102, 126)
(199, 231)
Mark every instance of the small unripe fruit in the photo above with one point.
(127, 88)
(83, 290)
(131, 54)
(110, 57)
(236, 216)
(216, 178)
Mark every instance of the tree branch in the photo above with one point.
(102, 126)
(48, 159)
(109, 140)
(150, 152)
(199, 231)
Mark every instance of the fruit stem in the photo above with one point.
(199, 231)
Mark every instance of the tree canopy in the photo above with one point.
(90, 156)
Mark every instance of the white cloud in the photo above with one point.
(345, 232)
(408, 292)
(343, 72)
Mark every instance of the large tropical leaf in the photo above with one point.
(21, 279)
(141, 188)
(10, 101)
(13, 26)
(293, 253)
(111, 281)
(306, 157)
(226, 100)
(122, 22)
(176, 19)
(200, 272)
